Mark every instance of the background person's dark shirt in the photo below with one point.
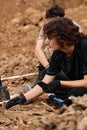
(74, 66)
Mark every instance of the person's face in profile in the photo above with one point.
(53, 44)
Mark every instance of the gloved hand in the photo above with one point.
(42, 71)
(51, 87)
(17, 100)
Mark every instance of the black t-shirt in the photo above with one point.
(75, 66)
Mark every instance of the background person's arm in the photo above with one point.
(39, 49)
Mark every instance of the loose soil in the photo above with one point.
(20, 22)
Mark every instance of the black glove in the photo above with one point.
(42, 72)
(51, 87)
(17, 100)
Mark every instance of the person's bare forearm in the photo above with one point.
(40, 54)
(36, 91)
(42, 59)
(75, 83)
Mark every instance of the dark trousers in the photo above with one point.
(78, 91)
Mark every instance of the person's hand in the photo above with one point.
(51, 87)
(42, 71)
(17, 100)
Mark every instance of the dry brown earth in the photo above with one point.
(20, 22)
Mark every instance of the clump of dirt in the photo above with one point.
(20, 22)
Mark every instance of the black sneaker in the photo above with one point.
(4, 94)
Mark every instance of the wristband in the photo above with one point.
(47, 66)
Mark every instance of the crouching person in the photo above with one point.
(69, 57)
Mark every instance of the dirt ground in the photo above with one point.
(20, 22)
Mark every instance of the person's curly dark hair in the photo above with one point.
(64, 30)
(54, 11)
